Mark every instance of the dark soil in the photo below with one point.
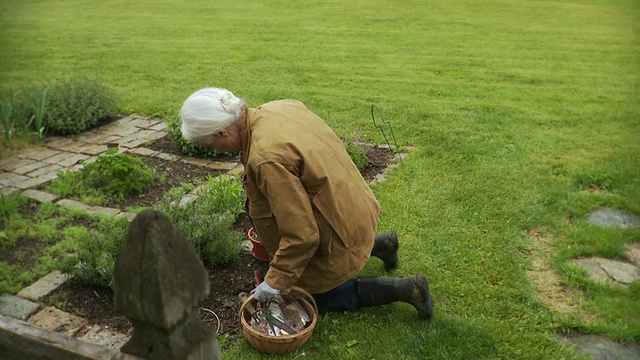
(169, 174)
(96, 304)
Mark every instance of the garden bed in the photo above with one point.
(96, 303)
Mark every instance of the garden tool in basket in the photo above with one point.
(257, 317)
(273, 311)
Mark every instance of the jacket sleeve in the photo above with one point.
(291, 207)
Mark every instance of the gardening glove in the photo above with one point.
(264, 292)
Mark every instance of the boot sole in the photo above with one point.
(423, 285)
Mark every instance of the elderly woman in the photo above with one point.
(313, 212)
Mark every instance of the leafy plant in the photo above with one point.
(6, 116)
(357, 154)
(38, 106)
(205, 224)
(112, 175)
(224, 194)
(71, 185)
(7, 276)
(16, 227)
(9, 204)
(77, 104)
(66, 184)
(50, 210)
(117, 174)
(4, 239)
(46, 231)
(97, 251)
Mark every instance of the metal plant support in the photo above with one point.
(381, 128)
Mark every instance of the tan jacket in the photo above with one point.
(313, 212)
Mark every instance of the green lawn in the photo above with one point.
(525, 116)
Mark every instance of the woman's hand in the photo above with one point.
(264, 292)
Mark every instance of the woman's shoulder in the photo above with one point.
(282, 103)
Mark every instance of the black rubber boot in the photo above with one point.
(385, 248)
(382, 290)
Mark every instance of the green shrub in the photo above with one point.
(209, 235)
(117, 174)
(111, 176)
(77, 104)
(224, 194)
(66, 107)
(10, 204)
(357, 154)
(187, 147)
(206, 221)
(97, 250)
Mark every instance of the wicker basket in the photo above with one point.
(285, 343)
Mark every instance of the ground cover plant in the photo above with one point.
(29, 236)
(523, 115)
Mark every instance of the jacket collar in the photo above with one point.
(246, 123)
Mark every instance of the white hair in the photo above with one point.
(207, 111)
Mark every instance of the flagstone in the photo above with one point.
(38, 153)
(40, 196)
(13, 163)
(44, 286)
(51, 318)
(14, 180)
(17, 307)
(35, 182)
(48, 168)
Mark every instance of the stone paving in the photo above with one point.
(600, 348)
(615, 273)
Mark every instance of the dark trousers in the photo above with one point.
(341, 298)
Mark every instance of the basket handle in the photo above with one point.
(305, 294)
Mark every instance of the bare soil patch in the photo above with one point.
(546, 281)
(96, 304)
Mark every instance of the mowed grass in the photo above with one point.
(524, 115)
